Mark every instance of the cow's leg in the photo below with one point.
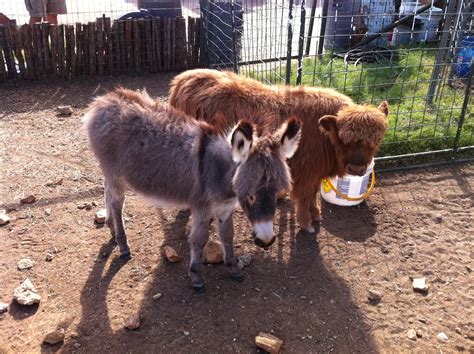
(315, 206)
(197, 240)
(303, 214)
(226, 234)
(115, 197)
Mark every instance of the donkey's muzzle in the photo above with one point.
(261, 243)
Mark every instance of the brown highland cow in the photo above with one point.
(338, 136)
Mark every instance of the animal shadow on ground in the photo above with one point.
(288, 291)
(354, 224)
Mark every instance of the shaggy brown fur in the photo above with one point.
(338, 136)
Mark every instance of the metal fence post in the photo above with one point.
(442, 49)
(234, 52)
(204, 35)
(462, 116)
(289, 43)
(301, 43)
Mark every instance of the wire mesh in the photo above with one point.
(421, 65)
(86, 11)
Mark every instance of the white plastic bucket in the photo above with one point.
(353, 187)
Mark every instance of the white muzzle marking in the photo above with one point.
(264, 231)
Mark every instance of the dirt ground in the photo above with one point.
(309, 290)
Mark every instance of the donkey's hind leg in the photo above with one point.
(197, 240)
(114, 198)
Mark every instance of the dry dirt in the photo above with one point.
(310, 291)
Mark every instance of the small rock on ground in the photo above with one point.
(24, 264)
(157, 296)
(101, 216)
(212, 252)
(245, 260)
(55, 336)
(268, 342)
(442, 337)
(171, 255)
(77, 345)
(411, 334)
(47, 211)
(64, 110)
(28, 200)
(457, 329)
(133, 322)
(3, 307)
(26, 294)
(374, 295)
(4, 218)
(49, 257)
(419, 333)
(419, 284)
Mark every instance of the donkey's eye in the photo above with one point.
(251, 199)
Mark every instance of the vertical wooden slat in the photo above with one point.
(46, 49)
(72, 50)
(128, 43)
(26, 38)
(137, 57)
(150, 64)
(182, 50)
(109, 42)
(61, 52)
(8, 53)
(100, 45)
(167, 44)
(189, 42)
(85, 47)
(173, 43)
(197, 41)
(116, 26)
(157, 36)
(18, 48)
(67, 52)
(38, 49)
(54, 50)
(92, 49)
(3, 72)
(79, 53)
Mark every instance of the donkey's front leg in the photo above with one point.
(197, 240)
(226, 234)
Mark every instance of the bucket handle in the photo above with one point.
(353, 199)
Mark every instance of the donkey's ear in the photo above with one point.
(241, 141)
(290, 137)
(328, 123)
(383, 107)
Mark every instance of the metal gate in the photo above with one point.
(417, 57)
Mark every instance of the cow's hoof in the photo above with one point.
(309, 229)
(199, 288)
(238, 277)
(126, 255)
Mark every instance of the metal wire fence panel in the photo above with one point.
(417, 56)
(87, 10)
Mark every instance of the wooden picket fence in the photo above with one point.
(38, 51)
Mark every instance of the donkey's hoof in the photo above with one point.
(126, 255)
(238, 277)
(199, 288)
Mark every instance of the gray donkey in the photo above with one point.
(175, 161)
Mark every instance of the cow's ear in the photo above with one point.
(383, 107)
(328, 123)
(241, 141)
(290, 137)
